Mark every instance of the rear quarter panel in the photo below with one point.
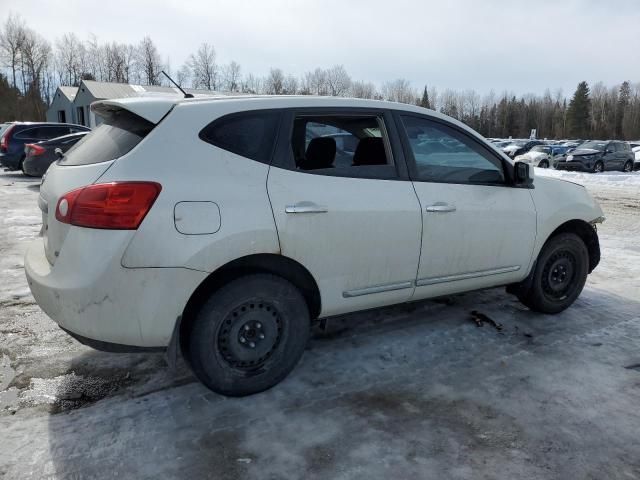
(191, 170)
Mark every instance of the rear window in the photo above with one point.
(120, 132)
(249, 134)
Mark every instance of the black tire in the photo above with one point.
(559, 275)
(544, 164)
(628, 167)
(276, 318)
(21, 166)
(598, 167)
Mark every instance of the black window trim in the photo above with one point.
(244, 113)
(283, 157)
(507, 167)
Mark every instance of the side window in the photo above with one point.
(342, 145)
(26, 134)
(444, 154)
(54, 132)
(250, 134)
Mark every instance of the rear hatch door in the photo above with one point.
(121, 130)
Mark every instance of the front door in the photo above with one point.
(478, 231)
(350, 216)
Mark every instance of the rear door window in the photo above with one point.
(117, 136)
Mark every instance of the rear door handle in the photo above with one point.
(441, 207)
(305, 207)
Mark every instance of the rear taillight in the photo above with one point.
(33, 149)
(117, 205)
(4, 141)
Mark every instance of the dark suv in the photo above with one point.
(598, 156)
(18, 134)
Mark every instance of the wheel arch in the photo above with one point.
(587, 233)
(275, 264)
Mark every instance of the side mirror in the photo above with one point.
(523, 174)
(58, 153)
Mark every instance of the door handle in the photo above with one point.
(305, 207)
(441, 207)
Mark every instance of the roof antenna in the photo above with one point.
(186, 95)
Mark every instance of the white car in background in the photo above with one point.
(543, 156)
(636, 162)
(221, 227)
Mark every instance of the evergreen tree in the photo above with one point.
(624, 98)
(579, 112)
(424, 101)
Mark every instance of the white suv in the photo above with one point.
(223, 226)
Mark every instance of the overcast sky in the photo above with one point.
(516, 45)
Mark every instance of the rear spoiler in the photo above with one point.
(152, 109)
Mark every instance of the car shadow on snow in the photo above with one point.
(397, 385)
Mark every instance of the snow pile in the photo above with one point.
(610, 179)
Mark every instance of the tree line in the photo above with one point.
(33, 68)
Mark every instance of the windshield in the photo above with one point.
(593, 146)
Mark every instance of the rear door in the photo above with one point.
(610, 157)
(353, 220)
(478, 231)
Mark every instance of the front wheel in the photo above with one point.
(543, 164)
(249, 335)
(598, 167)
(628, 167)
(559, 275)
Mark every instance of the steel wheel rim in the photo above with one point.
(559, 274)
(250, 334)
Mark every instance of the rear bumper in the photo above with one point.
(36, 166)
(100, 302)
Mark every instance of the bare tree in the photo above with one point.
(252, 84)
(204, 69)
(68, 58)
(274, 84)
(399, 90)
(231, 76)
(290, 85)
(11, 41)
(363, 90)
(183, 76)
(315, 83)
(338, 81)
(149, 62)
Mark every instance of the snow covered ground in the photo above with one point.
(413, 391)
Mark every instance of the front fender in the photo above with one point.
(558, 202)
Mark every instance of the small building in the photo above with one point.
(61, 109)
(91, 91)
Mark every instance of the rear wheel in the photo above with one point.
(559, 275)
(544, 164)
(598, 167)
(249, 335)
(628, 167)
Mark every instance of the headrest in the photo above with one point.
(320, 153)
(370, 151)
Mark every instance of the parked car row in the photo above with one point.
(30, 146)
(576, 155)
